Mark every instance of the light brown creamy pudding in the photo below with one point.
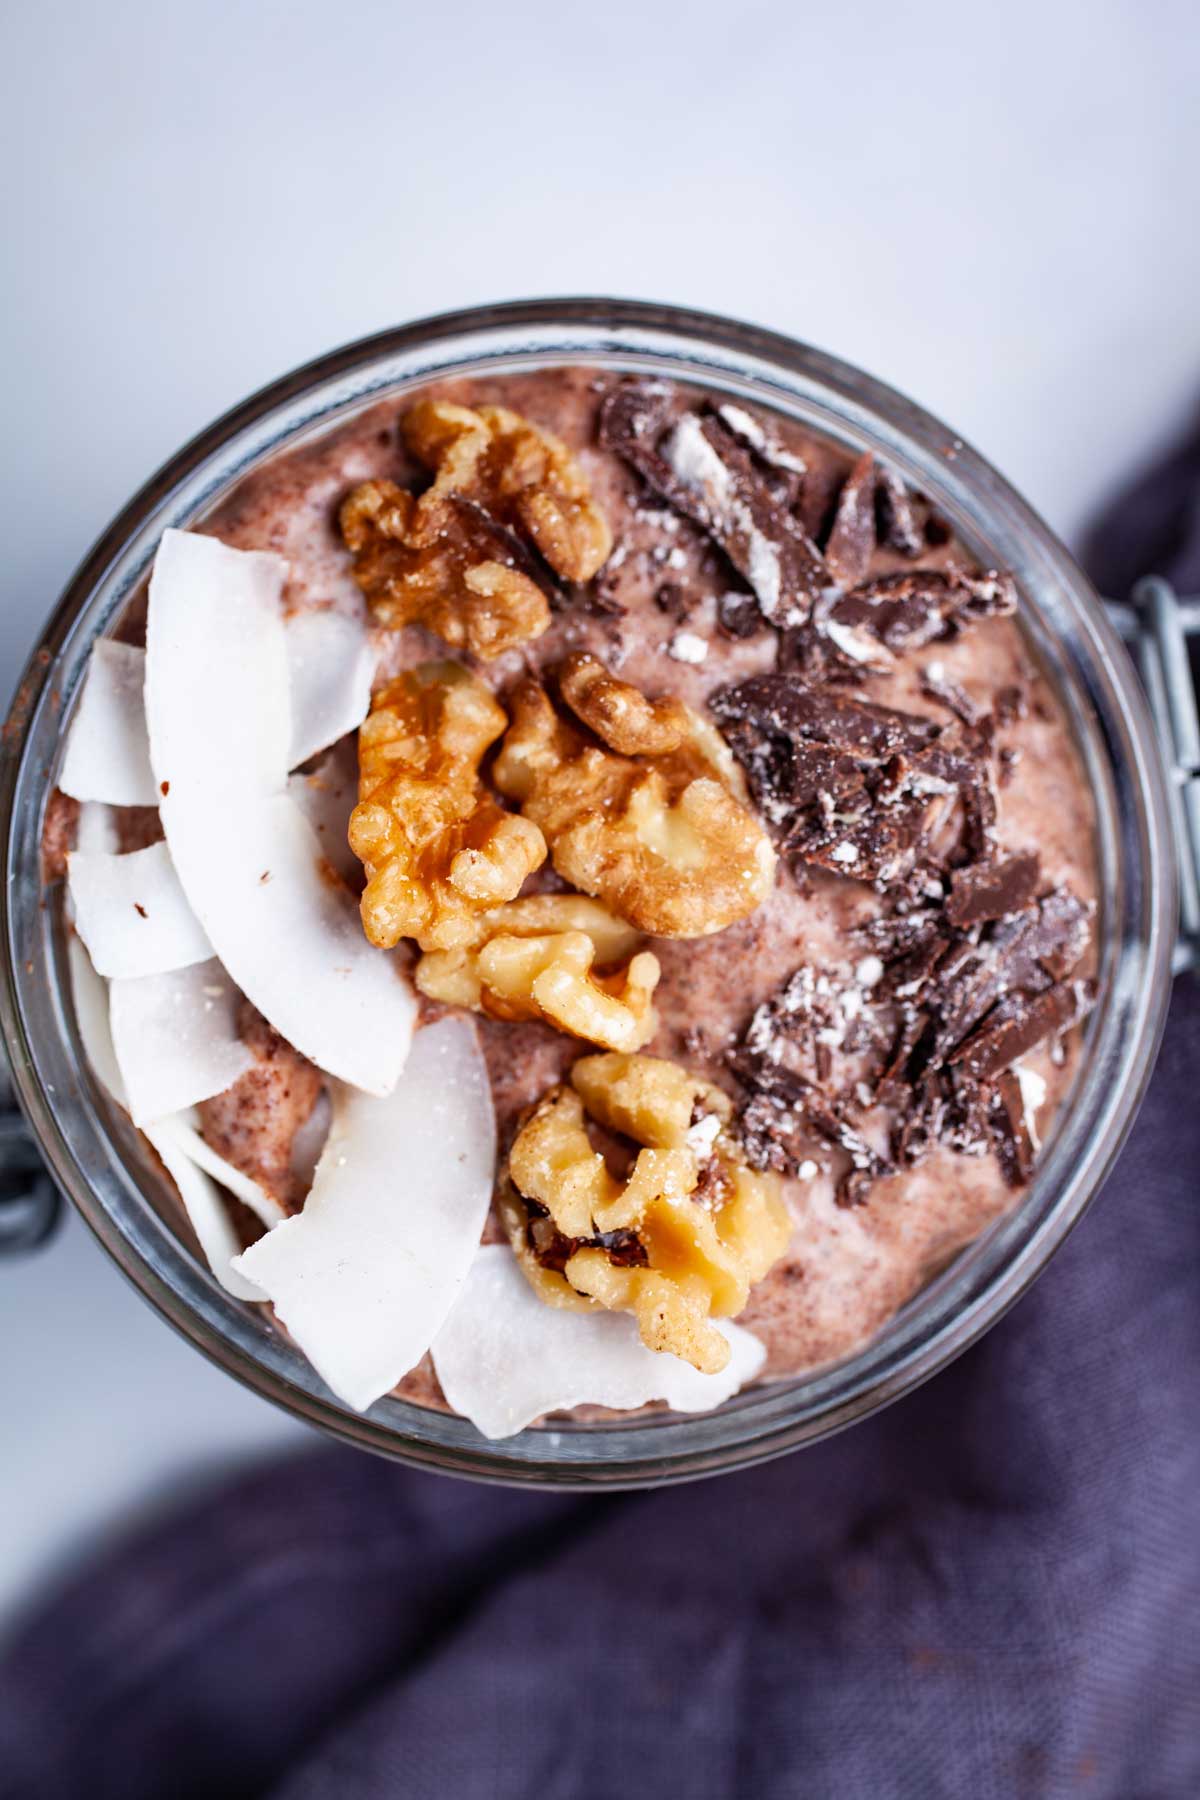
(664, 615)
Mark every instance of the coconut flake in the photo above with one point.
(132, 913)
(504, 1358)
(107, 756)
(176, 1038)
(688, 647)
(367, 1273)
(89, 996)
(201, 1198)
(250, 863)
(327, 796)
(183, 1130)
(206, 1211)
(309, 1141)
(330, 664)
(96, 828)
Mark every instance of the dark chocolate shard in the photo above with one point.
(898, 526)
(1011, 704)
(738, 615)
(918, 606)
(818, 500)
(706, 473)
(851, 542)
(1044, 944)
(853, 787)
(1009, 1129)
(758, 436)
(674, 600)
(783, 705)
(993, 889)
(783, 1109)
(938, 686)
(1019, 1023)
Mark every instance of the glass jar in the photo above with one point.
(99, 1160)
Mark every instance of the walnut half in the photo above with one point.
(556, 957)
(455, 559)
(437, 848)
(679, 1241)
(663, 838)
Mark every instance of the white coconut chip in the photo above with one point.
(206, 1211)
(201, 1197)
(364, 1277)
(504, 1358)
(132, 913)
(96, 828)
(327, 796)
(331, 660)
(107, 756)
(176, 1038)
(250, 863)
(182, 1128)
(89, 996)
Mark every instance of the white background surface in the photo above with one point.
(992, 207)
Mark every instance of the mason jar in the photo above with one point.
(104, 1167)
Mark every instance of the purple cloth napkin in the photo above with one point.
(990, 1590)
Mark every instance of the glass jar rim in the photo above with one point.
(93, 1156)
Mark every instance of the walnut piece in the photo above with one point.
(620, 713)
(524, 476)
(437, 848)
(534, 959)
(664, 840)
(454, 559)
(453, 580)
(680, 1241)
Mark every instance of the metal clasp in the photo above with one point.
(30, 1204)
(1157, 626)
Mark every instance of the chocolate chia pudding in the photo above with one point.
(875, 943)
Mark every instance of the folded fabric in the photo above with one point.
(991, 1589)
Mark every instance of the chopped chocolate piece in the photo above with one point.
(822, 653)
(600, 598)
(783, 705)
(704, 472)
(783, 1108)
(1010, 705)
(937, 685)
(818, 500)
(1019, 1023)
(920, 1130)
(851, 542)
(898, 527)
(992, 890)
(1009, 1129)
(1008, 760)
(738, 615)
(787, 471)
(1043, 945)
(849, 785)
(918, 606)
(673, 600)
